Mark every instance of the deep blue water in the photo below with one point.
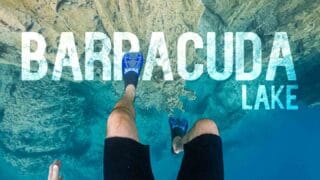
(281, 145)
(261, 145)
(264, 145)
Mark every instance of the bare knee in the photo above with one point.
(206, 126)
(121, 124)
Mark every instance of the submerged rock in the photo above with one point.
(40, 120)
(298, 18)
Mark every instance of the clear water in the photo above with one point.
(261, 145)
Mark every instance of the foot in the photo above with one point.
(178, 128)
(131, 68)
(54, 170)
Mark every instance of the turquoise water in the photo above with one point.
(279, 145)
(260, 145)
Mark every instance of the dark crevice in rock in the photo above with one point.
(9, 27)
(13, 88)
(218, 16)
(308, 78)
(60, 4)
(1, 114)
(3, 49)
(29, 26)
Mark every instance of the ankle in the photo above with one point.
(130, 92)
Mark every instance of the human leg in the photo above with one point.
(203, 126)
(202, 148)
(121, 121)
(124, 156)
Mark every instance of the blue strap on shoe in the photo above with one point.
(131, 67)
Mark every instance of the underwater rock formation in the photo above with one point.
(298, 18)
(50, 18)
(31, 110)
(39, 119)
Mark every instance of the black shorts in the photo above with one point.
(126, 159)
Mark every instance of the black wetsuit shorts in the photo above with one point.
(126, 159)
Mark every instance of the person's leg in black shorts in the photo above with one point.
(202, 152)
(124, 157)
